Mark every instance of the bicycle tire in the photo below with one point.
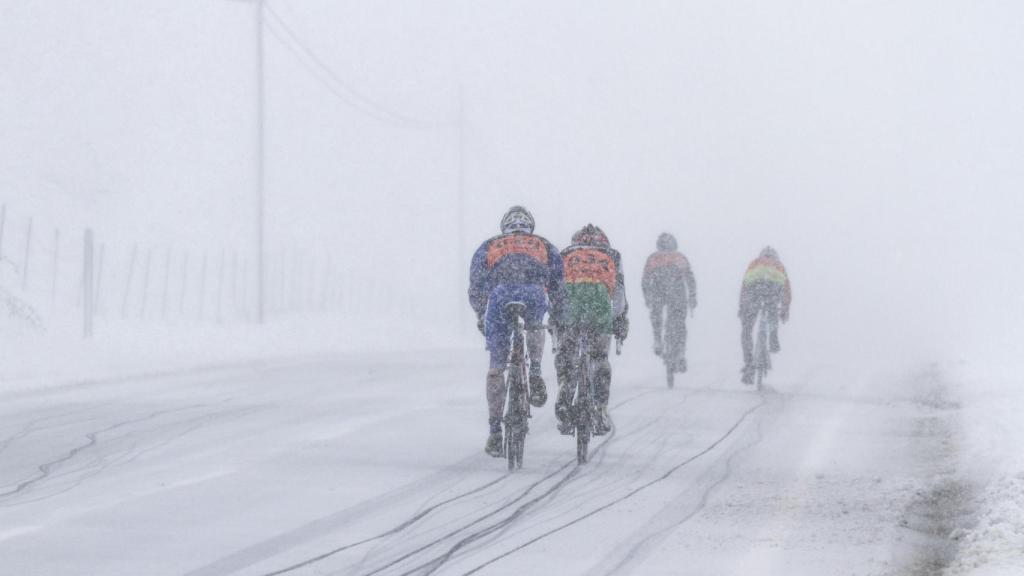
(582, 444)
(516, 445)
(515, 421)
(761, 361)
(670, 376)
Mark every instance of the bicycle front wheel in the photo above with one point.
(515, 444)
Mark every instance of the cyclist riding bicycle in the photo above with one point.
(765, 290)
(595, 308)
(670, 292)
(516, 266)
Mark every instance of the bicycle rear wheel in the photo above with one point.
(515, 420)
(515, 444)
(761, 361)
(582, 444)
(670, 375)
(583, 412)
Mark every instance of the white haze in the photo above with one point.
(876, 145)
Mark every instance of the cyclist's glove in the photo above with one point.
(480, 324)
(620, 327)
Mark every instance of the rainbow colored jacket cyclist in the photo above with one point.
(516, 266)
(765, 289)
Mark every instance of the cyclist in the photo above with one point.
(516, 266)
(670, 292)
(765, 289)
(595, 308)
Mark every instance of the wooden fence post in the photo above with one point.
(128, 281)
(3, 226)
(202, 288)
(28, 255)
(56, 265)
(167, 283)
(88, 296)
(97, 303)
(220, 286)
(145, 283)
(245, 288)
(325, 291)
(234, 284)
(184, 284)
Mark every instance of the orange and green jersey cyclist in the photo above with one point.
(594, 308)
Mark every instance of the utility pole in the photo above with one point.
(261, 271)
(461, 211)
(260, 154)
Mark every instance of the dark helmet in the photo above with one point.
(590, 235)
(667, 242)
(769, 252)
(517, 219)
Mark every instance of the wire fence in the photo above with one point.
(77, 277)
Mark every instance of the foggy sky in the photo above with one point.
(876, 145)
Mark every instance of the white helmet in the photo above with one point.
(517, 219)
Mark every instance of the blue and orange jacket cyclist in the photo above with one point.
(517, 266)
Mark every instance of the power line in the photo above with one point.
(331, 80)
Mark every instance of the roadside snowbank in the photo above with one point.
(51, 357)
(993, 404)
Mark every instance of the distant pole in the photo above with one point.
(128, 281)
(167, 282)
(461, 214)
(3, 225)
(88, 284)
(260, 171)
(184, 284)
(56, 266)
(202, 288)
(145, 283)
(28, 255)
(97, 305)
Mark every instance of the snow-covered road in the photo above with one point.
(373, 464)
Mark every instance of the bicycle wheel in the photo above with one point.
(670, 375)
(583, 413)
(515, 420)
(761, 357)
(582, 444)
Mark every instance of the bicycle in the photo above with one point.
(762, 357)
(672, 354)
(517, 402)
(669, 371)
(583, 412)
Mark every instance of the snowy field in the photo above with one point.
(371, 463)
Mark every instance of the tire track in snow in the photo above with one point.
(432, 565)
(623, 498)
(92, 439)
(248, 556)
(435, 563)
(659, 527)
(102, 462)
